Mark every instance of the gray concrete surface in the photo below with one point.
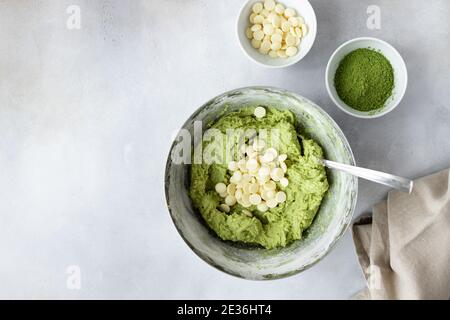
(86, 119)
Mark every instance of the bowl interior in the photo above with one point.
(304, 8)
(400, 74)
(331, 221)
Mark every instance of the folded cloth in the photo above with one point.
(404, 248)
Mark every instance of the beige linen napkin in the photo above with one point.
(404, 248)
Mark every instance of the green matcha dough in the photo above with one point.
(283, 224)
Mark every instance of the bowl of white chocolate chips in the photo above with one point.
(245, 190)
(276, 34)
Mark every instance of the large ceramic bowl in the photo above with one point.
(331, 221)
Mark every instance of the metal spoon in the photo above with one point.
(396, 182)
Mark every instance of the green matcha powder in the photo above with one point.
(364, 79)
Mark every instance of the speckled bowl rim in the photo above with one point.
(346, 219)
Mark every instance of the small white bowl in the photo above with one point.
(303, 8)
(400, 75)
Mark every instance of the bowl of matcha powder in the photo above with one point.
(366, 77)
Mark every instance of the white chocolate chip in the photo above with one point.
(275, 47)
(224, 208)
(289, 12)
(253, 155)
(293, 21)
(252, 165)
(221, 188)
(273, 152)
(249, 33)
(247, 213)
(269, 5)
(263, 180)
(245, 201)
(258, 35)
(248, 150)
(273, 53)
(265, 47)
(255, 199)
(257, 7)
(231, 189)
(291, 51)
(270, 185)
(270, 16)
(263, 194)
(276, 174)
(279, 8)
(262, 207)
(264, 171)
(275, 20)
(258, 144)
(232, 166)
(258, 19)
(260, 112)
(285, 26)
(256, 43)
(230, 200)
(281, 53)
(268, 29)
(253, 181)
(274, 29)
(255, 27)
(276, 38)
(236, 177)
(304, 28)
(246, 188)
(246, 178)
(254, 187)
(284, 182)
(270, 194)
(280, 197)
(272, 203)
(290, 40)
(282, 157)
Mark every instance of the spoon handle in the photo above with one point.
(399, 183)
